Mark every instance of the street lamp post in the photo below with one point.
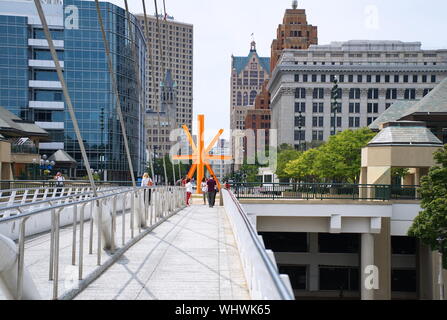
(300, 126)
(335, 95)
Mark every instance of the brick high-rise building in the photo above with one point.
(293, 33)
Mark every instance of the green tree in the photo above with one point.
(159, 169)
(340, 158)
(432, 221)
(284, 157)
(301, 168)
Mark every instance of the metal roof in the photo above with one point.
(12, 125)
(393, 113)
(405, 133)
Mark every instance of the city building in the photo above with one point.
(176, 58)
(294, 33)
(248, 74)
(30, 88)
(432, 110)
(372, 76)
(19, 146)
(221, 168)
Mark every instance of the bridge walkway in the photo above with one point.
(191, 256)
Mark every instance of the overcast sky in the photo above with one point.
(222, 28)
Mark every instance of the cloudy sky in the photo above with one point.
(223, 28)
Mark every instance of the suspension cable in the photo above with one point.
(141, 94)
(163, 73)
(154, 83)
(115, 89)
(151, 61)
(68, 101)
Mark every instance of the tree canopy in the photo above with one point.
(286, 154)
(431, 223)
(337, 160)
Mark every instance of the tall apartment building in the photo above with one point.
(30, 88)
(221, 168)
(176, 57)
(294, 33)
(372, 75)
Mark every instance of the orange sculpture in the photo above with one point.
(201, 155)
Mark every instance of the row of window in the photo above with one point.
(246, 100)
(355, 93)
(366, 78)
(354, 107)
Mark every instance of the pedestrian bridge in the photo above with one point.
(127, 243)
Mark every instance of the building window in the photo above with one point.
(426, 91)
(354, 93)
(354, 107)
(304, 77)
(297, 78)
(338, 122)
(403, 245)
(410, 94)
(339, 278)
(245, 99)
(433, 79)
(300, 135)
(318, 107)
(424, 78)
(396, 78)
(300, 93)
(387, 78)
(318, 93)
(323, 78)
(286, 242)
(317, 135)
(403, 280)
(391, 94)
(373, 108)
(359, 78)
(373, 93)
(415, 78)
(300, 107)
(405, 78)
(354, 122)
(314, 78)
(239, 99)
(297, 276)
(253, 95)
(368, 78)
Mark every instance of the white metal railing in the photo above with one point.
(145, 206)
(261, 271)
(25, 197)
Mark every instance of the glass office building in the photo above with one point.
(30, 87)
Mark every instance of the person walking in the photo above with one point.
(59, 182)
(146, 182)
(204, 188)
(188, 191)
(211, 184)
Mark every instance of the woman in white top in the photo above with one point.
(146, 182)
(188, 187)
(204, 188)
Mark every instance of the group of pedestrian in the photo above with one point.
(207, 186)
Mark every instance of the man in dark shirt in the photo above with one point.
(211, 183)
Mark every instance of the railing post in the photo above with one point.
(113, 227)
(75, 222)
(99, 204)
(52, 236)
(132, 214)
(56, 256)
(21, 258)
(81, 241)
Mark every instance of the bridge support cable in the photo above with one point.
(151, 61)
(154, 83)
(66, 95)
(117, 96)
(139, 86)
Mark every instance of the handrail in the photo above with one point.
(282, 288)
(76, 195)
(136, 202)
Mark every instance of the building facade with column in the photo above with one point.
(372, 76)
(176, 57)
(30, 88)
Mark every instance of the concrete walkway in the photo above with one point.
(192, 256)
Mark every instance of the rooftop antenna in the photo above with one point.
(295, 4)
